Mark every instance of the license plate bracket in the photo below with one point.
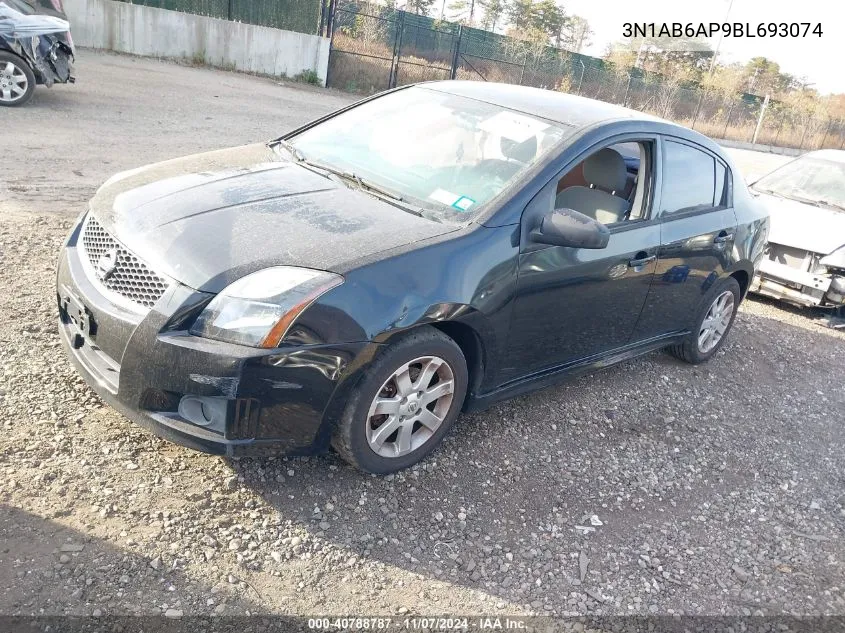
(77, 314)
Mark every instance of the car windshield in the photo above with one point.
(808, 179)
(446, 153)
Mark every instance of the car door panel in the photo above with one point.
(573, 303)
(696, 249)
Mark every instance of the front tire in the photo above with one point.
(17, 81)
(712, 323)
(405, 404)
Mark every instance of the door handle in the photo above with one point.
(642, 261)
(723, 238)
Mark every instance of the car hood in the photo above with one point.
(804, 226)
(208, 219)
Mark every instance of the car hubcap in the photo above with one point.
(410, 406)
(716, 322)
(13, 82)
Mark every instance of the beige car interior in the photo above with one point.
(601, 186)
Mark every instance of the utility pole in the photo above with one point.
(721, 36)
(760, 119)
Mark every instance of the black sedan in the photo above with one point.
(361, 280)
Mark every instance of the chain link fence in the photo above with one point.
(376, 47)
(302, 16)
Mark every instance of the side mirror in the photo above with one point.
(567, 227)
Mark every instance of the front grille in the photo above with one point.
(129, 277)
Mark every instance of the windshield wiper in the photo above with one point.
(291, 148)
(372, 188)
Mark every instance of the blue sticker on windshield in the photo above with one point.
(463, 203)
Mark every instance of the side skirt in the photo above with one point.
(553, 375)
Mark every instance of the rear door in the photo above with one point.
(697, 228)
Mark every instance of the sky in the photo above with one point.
(818, 59)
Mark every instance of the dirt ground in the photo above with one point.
(651, 487)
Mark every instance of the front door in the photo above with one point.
(574, 303)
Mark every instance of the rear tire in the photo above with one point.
(17, 81)
(405, 404)
(715, 315)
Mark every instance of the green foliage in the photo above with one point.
(308, 77)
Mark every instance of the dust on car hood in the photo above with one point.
(803, 225)
(208, 219)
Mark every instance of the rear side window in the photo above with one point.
(692, 180)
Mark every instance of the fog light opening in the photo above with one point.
(205, 411)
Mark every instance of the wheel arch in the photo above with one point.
(743, 273)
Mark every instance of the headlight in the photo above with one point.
(836, 259)
(258, 309)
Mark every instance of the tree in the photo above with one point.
(726, 81)
(576, 34)
(420, 7)
(493, 11)
(535, 17)
(763, 76)
(462, 11)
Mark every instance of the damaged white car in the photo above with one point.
(805, 259)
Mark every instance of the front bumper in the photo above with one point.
(143, 363)
(781, 281)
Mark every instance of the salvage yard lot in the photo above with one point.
(717, 489)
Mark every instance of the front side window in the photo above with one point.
(450, 154)
(689, 179)
(610, 184)
(808, 179)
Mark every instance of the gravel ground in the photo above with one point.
(649, 487)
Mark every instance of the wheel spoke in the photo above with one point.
(7, 94)
(437, 391)
(429, 420)
(10, 68)
(386, 406)
(384, 431)
(403, 381)
(403, 441)
(427, 373)
(19, 79)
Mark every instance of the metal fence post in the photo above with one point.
(728, 122)
(760, 119)
(581, 78)
(524, 63)
(229, 12)
(697, 108)
(826, 132)
(804, 135)
(397, 50)
(627, 90)
(453, 73)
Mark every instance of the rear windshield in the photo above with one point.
(447, 153)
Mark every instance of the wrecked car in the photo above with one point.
(804, 262)
(360, 281)
(35, 48)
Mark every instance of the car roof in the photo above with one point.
(828, 154)
(555, 106)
